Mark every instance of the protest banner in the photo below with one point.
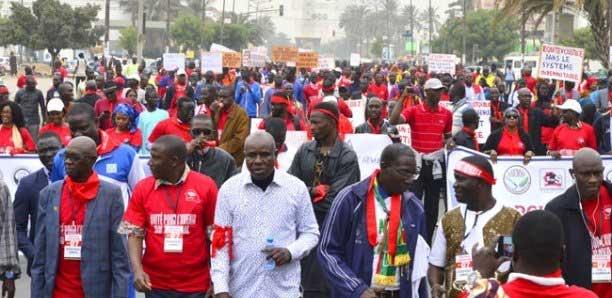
(174, 61)
(246, 58)
(258, 56)
(232, 60)
(483, 108)
(212, 61)
(523, 187)
(326, 63)
(442, 63)
(368, 148)
(404, 133)
(358, 109)
(284, 54)
(215, 47)
(560, 63)
(355, 59)
(307, 60)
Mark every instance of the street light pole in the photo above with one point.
(463, 37)
(430, 27)
(140, 39)
(412, 13)
(222, 21)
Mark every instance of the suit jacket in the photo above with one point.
(234, 134)
(26, 206)
(104, 261)
(537, 119)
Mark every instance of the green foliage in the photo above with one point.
(495, 37)
(582, 38)
(187, 31)
(377, 48)
(128, 39)
(51, 25)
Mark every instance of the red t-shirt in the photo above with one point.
(523, 288)
(311, 91)
(343, 108)
(223, 116)
(289, 123)
(6, 141)
(63, 131)
(105, 105)
(68, 277)
(195, 206)
(171, 126)
(133, 139)
(381, 91)
(597, 213)
(428, 126)
(510, 144)
(531, 83)
(566, 138)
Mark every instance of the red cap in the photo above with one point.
(4, 90)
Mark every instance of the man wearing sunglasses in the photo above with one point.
(584, 210)
(204, 156)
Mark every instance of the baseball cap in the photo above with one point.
(571, 104)
(434, 84)
(55, 105)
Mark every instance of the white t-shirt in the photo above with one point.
(474, 224)
(81, 67)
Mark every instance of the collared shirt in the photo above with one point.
(8, 233)
(428, 126)
(284, 212)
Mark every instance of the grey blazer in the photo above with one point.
(104, 261)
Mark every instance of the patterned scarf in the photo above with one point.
(393, 252)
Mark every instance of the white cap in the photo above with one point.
(433, 84)
(571, 104)
(55, 105)
(181, 71)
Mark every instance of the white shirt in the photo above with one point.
(474, 224)
(471, 95)
(284, 212)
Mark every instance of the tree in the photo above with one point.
(493, 37)
(128, 39)
(52, 25)
(352, 20)
(582, 38)
(187, 31)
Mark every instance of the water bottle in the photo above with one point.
(269, 264)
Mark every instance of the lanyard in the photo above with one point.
(473, 226)
(593, 234)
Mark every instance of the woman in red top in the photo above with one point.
(14, 137)
(125, 131)
(55, 123)
(510, 139)
(573, 134)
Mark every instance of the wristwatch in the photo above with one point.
(9, 275)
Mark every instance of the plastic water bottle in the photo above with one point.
(269, 264)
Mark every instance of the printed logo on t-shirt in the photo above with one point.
(192, 196)
(111, 168)
(607, 211)
(159, 220)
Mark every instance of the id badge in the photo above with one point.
(72, 245)
(463, 267)
(601, 271)
(173, 239)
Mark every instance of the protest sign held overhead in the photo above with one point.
(307, 60)
(232, 60)
(442, 63)
(355, 59)
(284, 54)
(326, 63)
(212, 62)
(174, 61)
(561, 63)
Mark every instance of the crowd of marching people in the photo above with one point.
(218, 216)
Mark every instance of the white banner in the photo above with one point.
(215, 47)
(358, 109)
(442, 63)
(355, 59)
(246, 58)
(258, 56)
(523, 187)
(174, 61)
(368, 148)
(213, 62)
(327, 63)
(404, 133)
(560, 63)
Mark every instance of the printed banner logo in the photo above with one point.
(552, 179)
(517, 180)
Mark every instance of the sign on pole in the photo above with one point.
(287, 54)
(212, 62)
(355, 59)
(174, 61)
(442, 63)
(232, 60)
(560, 63)
(307, 60)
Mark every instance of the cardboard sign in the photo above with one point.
(284, 54)
(307, 60)
(560, 63)
(358, 109)
(232, 60)
(212, 62)
(246, 58)
(442, 63)
(327, 63)
(355, 59)
(174, 61)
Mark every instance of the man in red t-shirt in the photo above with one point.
(379, 88)
(573, 134)
(179, 125)
(431, 127)
(79, 252)
(171, 212)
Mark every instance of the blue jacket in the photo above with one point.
(26, 206)
(105, 269)
(345, 253)
(250, 98)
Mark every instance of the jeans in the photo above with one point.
(33, 130)
(428, 190)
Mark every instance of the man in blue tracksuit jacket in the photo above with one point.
(248, 93)
(352, 237)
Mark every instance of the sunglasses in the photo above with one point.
(512, 116)
(197, 132)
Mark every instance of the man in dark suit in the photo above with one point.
(78, 251)
(26, 196)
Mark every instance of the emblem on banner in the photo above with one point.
(552, 179)
(517, 180)
(20, 173)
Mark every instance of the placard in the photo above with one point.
(307, 60)
(174, 61)
(232, 60)
(258, 56)
(368, 148)
(560, 63)
(246, 58)
(404, 133)
(215, 47)
(483, 108)
(358, 109)
(355, 59)
(442, 63)
(213, 62)
(327, 63)
(284, 54)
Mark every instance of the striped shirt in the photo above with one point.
(428, 126)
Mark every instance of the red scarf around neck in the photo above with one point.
(83, 191)
(394, 221)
